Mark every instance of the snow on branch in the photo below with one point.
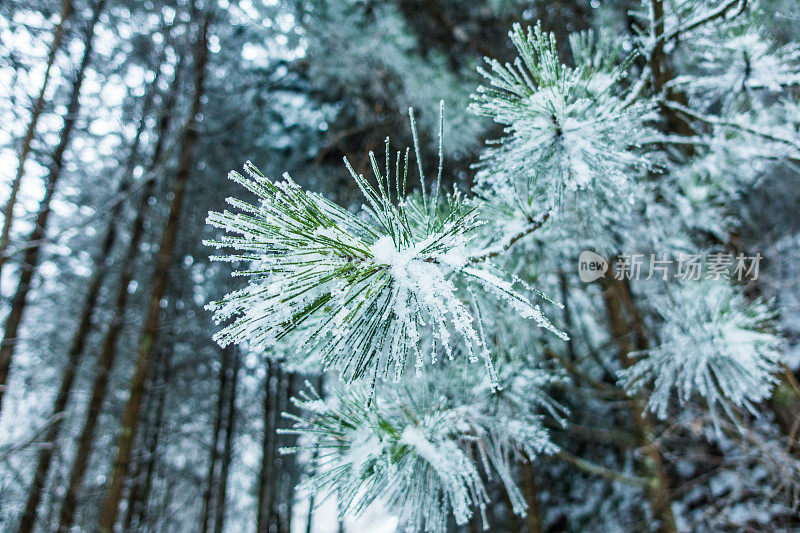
(567, 128)
(715, 344)
(366, 294)
(422, 448)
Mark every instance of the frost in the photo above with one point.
(422, 452)
(736, 58)
(567, 129)
(714, 344)
(365, 294)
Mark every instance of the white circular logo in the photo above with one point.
(591, 266)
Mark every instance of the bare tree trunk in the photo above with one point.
(213, 459)
(25, 149)
(135, 477)
(140, 493)
(533, 518)
(30, 260)
(108, 513)
(99, 272)
(289, 467)
(274, 480)
(227, 452)
(105, 360)
(265, 472)
(615, 296)
(320, 385)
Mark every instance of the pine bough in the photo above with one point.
(398, 285)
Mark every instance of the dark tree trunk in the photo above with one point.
(629, 336)
(140, 489)
(130, 417)
(99, 272)
(30, 260)
(27, 140)
(105, 360)
(289, 468)
(213, 459)
(533, 518)
(266, 474)
(277, 479)
(135, 477)
(227, 451)
(320, 385)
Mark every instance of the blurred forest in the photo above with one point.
(119, 121)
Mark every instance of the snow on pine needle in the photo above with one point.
(733, 60)
(367, 294)
(420, 447)
(567, 128)
(398, 449)
(424, 440)
(715, 344)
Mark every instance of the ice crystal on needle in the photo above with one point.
(367, 294)
(400, 449)
(421, 448)
(715, 344)
(564, 124)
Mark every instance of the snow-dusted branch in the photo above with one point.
(593, 468)
(728, 124)
(362, 293)
(506, 244)
(660, 37)
(705, 19)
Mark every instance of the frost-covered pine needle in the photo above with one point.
(420, 448)
(714, 344)
(364, 293)
(567, 128)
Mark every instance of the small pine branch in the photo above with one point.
(366, 294)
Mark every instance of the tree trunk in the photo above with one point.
(274, 479)
(288, 463)
(30, 260)
(99, 272)
(105, 360)
(25, 149)
(135, 477)
(140, 491)
(658, 492)
(320, 385)
(213, 459)
(108, 513)
(227, 453)
(533, 518)
(265, 471)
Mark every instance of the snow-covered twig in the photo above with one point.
(727, 124)
(601, 471)
(705, 19)
(659, 40)
(503, 246)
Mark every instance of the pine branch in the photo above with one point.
(361, 294)
(570, 367)
(505, 245)
(654, 50)
(623, 439)
(727, 124)
(705, 19)
(598, 470)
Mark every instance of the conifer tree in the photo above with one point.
(428, 280)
